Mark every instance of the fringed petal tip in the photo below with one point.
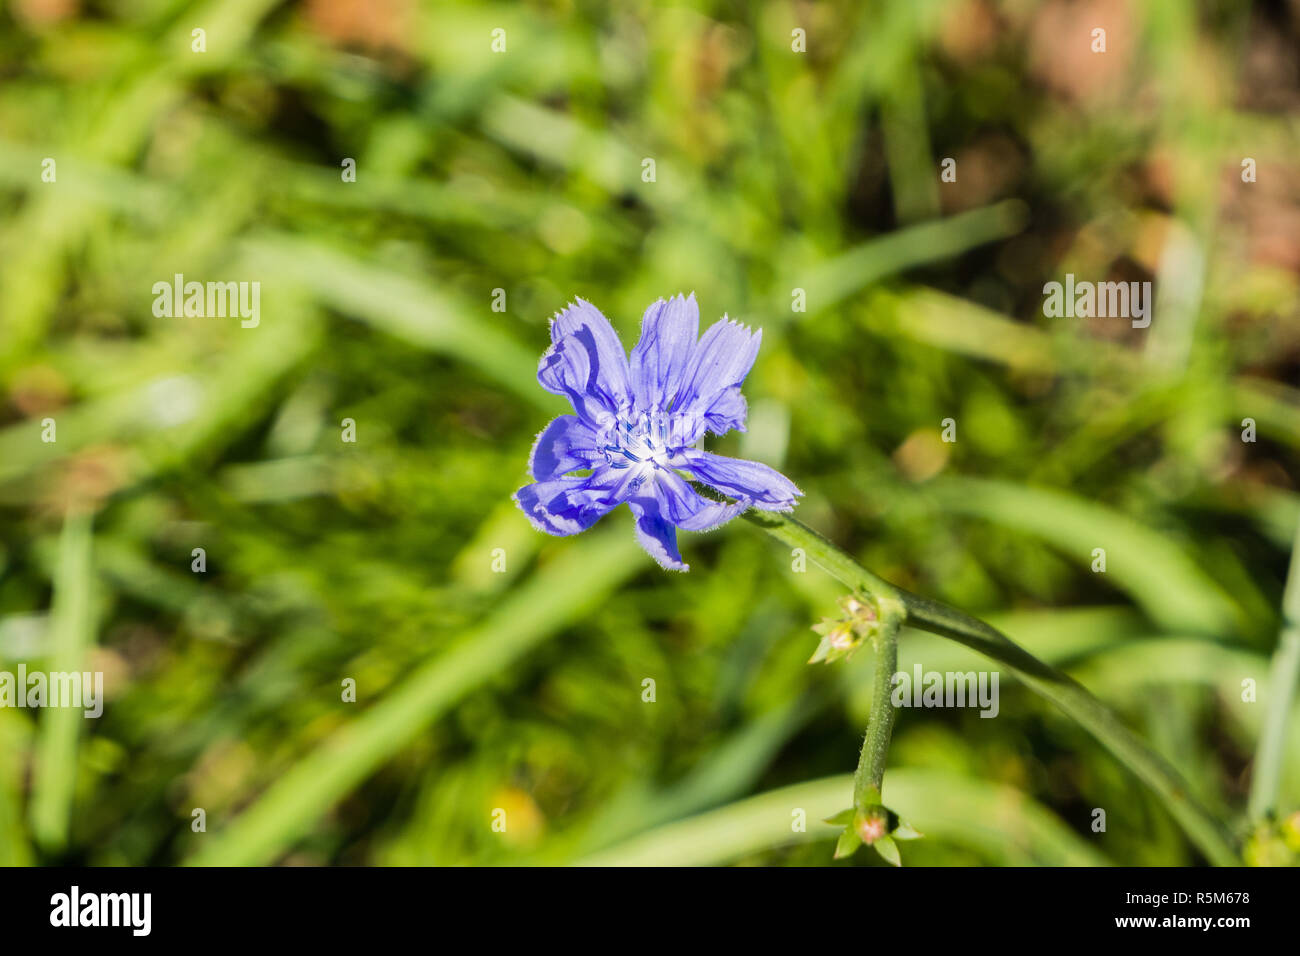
(782, 508)
(667, 563)
(576, 313)
(738, 478)
(565, 506)
(783, 505)
(748, 329)
(526, 500)
(669, 330)
(656, 534)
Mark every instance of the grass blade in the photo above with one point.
(553, 598)
(71, 634)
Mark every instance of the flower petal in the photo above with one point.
(691, 511)
(668, 333)
(719, 364)
(608, 375)
(566, 444)
(566, 506)
(565, 369)
(766, 487)
(727, 411)
(656, 533)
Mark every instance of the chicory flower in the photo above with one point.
(638, 424)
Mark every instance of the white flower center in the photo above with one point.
(642, 443)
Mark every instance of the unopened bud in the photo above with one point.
(871, 827)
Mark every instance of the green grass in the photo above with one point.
(521, 689)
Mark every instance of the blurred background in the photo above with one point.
(499, 674)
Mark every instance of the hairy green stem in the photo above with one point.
(1282, 679)
(875, 746)
(1209, 836)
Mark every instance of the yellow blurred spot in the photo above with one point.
(1149, 242)
(524, 823)
(922, 455)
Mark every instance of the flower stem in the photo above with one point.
(1282, 679)
(871, 763)
(1071, 697)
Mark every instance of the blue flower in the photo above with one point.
(637, 426)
